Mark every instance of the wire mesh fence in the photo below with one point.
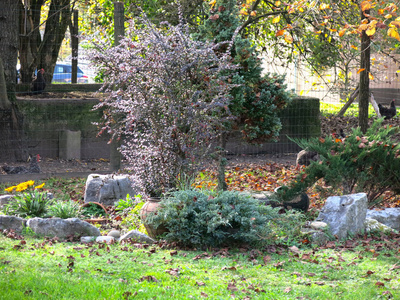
(58, 123)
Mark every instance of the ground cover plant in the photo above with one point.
(364, 268)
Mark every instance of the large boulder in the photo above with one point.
(388, 216)
(11, 222)
(345, 214)
(108, 189)
(137, 236)
(62, 228)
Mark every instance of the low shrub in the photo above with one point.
(201, 218)
(92, 210)
(131, 215)
(359, 162)
(65, 209)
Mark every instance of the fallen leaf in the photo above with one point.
(232, 287)
(266, 259)
(287, 290)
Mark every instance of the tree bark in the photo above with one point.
(363, 97)
(35, 52)
(10, 119)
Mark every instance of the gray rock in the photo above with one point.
(108, 189)
(4, 199)
(114, 233)
(318, 225)
(374, 225)
(137, 236)
(62, 228)
(11, 222)
(345, 214)
(105, 239)
(88, 239)
(388, 216)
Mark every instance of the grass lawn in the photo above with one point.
(44, 269)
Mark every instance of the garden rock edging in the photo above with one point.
(63, 228)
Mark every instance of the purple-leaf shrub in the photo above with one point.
(168, 98)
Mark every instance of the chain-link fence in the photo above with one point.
(57, 123)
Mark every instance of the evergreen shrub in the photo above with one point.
(359, 162)
(204, 218)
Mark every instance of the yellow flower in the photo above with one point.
(30, 183)
(10, 189)
(39, 186)
(21, 187)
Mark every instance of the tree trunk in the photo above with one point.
(363, 97)
(221, 161)
(35, 52)
(30, 38)
(10, 120)
(57, 23)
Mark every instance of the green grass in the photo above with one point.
(41, 269)
(331, 108)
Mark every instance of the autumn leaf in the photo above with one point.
(288, 39)
(370, 31)
(287, 290)
(392, 32)
(380, 284)
(371, 77)
(324, 6)
(280, 32)
(354, 47)
(360, 70)
(395, 23)
(365, 5)
(212, 3)
(342, 32)
(232, 287)
(276, 19)
(253, 13)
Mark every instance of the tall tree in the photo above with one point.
(259, 98)
(10, 119)
(36, 49)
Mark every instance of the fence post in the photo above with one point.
(74, 46)
(115, 155)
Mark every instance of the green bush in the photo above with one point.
(198, 218)
(65, 210)
(360, 162)
(32, 204)
(92, 210)
(131, 219)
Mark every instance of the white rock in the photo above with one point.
(108, 189)
(114, 233)
(388, 216)
(318, 225)
(88, 239)
(345, 214)
(137, 236)
(12, 222)
(105, 239)
(62, 228)
(374, 225)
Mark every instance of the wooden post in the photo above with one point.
(115, 155)
(74, 46)
(363, 97)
